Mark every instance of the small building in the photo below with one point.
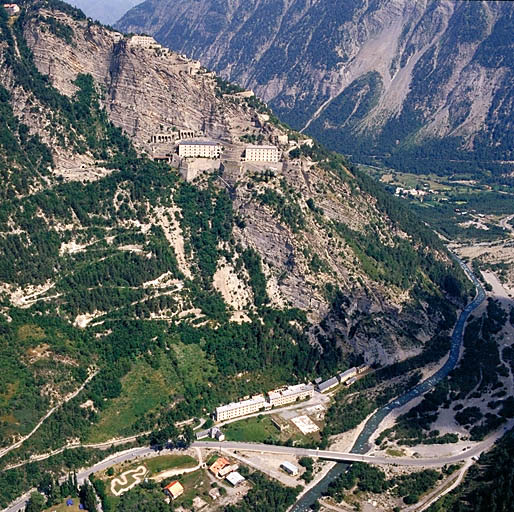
(281, 140)
(12, 9)
(227, 470)
(214, 493)
(257, 153)
(217, 434)
(218, 466)
(289, 468)
(199, 149)
(203, 434)
(290, 394)
(351, 381)
(199, 503)
(174, 489)
(235, 478)
(236, 409)
(328, 384)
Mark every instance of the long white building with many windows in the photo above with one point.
(199, 149)
(290, 394)
(236, 409)
(255, 153)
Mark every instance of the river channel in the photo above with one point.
(361, 445)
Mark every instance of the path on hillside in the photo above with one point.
(17, 444)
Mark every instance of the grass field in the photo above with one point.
(63, 507)
(160, 464)
(255, 430)
(195, 484)
(143, 390)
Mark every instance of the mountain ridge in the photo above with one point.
(407, 83)
(197, 291)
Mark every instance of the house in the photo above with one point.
(289, 468)
(235, 478)
(227, 469)
(218, 466)
(217, 434)
(174, 490)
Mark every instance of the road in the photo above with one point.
(17, 444)
(361, 444)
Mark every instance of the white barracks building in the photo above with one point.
(290, 394)
(236, 409)
(199, 149)
(254, 153)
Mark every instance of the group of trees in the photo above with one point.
(368, 478)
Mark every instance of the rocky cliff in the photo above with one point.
(275, 270)
(421, 85)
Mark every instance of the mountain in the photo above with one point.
(106, 11)
(162, 296)
(419, 85)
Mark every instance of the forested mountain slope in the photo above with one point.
(180, 295)
(422, 85)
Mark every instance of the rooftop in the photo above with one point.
(235, 478)
(257, 146)
(236, 405)
(198, 143)
(291, 390)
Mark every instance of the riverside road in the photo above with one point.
(360, 446)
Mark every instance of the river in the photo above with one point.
(361, 445)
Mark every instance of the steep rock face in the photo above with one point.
(309, 223)
(369, 77)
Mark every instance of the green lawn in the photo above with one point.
(160, 464)
(63, 507)
(144, 388)
(255, 430)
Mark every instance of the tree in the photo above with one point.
(88, 497)
(36, 503)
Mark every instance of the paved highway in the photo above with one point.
(361, 445)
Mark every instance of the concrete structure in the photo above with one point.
(174, 490)
(214, 493)
(281, 140)
(199, 149)
(256, 153)
(363, 368)
(289, 468)
(143, 42)
(348, 374)
(290, 394)
(12, 9)
(165, 137)
(328, 384)
(236, 409)
(235, 478)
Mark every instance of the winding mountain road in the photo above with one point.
(361, 445)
